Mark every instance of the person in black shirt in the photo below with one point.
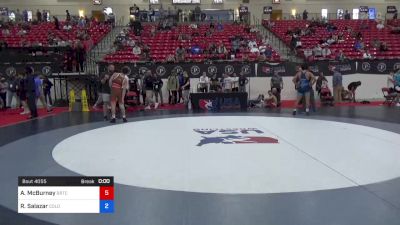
(56, 23)
(47, 85)
(157, 87)
(21, 92)
(68, 16)
(215, 85)
(243, 80)
(148, 83)
(352, 88)
(80, 57)
(30, 88)
(186, 88)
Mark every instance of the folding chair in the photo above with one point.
(389, 97)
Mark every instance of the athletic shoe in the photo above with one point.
(124, 120)
(112, 120)
(156, 105)
(50, 110)
(147, 108)
(398, 104)
(105, 118)
(294, 113)
(24, 113)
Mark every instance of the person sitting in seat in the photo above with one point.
(271, 100)
(395, 80)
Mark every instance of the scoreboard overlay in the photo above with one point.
(65, 194)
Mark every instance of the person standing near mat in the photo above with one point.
(30, 87)
(337, 82)
(148, 83)
(303, 81)
(243, 81)
(118, 85)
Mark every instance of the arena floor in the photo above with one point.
(339, 166)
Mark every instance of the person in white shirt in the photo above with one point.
(254, 49)
(203, 83)
(136, 50)
(317, 50)
(326, 52)
(227, 83)
(252, 44)
(67, 27)
(367, 55)
(235, 82)
(380, 26)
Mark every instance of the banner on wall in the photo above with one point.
(363, 9)
(267, 10)
(391, 9)
(378, 66)
(193, 69)
(13, 69)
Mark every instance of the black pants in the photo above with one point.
(79, 66)
(180, 96)
(172, 97)
(32, 104)
(47, 97)
(3, 97)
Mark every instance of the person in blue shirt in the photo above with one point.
(195, 49)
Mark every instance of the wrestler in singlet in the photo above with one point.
(116, 87)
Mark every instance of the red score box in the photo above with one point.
(107, 193)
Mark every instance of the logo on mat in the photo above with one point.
(234, 136)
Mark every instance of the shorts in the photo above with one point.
(305, 94)
(116, 94)
(105, 97)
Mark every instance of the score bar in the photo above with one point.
(65, 194)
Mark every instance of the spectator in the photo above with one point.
(220, 27)
(68, 16)
(146, 53)
(305, 15)
(326, 52)
(307, 52)
(277, 84)
(47, 85)
(67, 27)
(157, 88)
(215, 84)
(271, 100)
(38, 16)
(380, 25)
(317, 51)
(367, 55)
(221, 48)
(254, 49)
(12, 92)
(318, 85)
(149, 80)
(137, 50)
(337, 82)
(359, 46)
(80, 57)
(243, 81)
(383, 47)
(185, 88)
(30, 86)
(341, 56)
(395, 80)
(3, 92)
(172, 87)
(180, 54)
(203, 82)
(252, 44)
(195, 49)
(56, 23)
(170, 58)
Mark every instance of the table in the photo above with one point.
(219, 101)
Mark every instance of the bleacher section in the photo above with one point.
(39, 33)
(369, 33)
(165, 43)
